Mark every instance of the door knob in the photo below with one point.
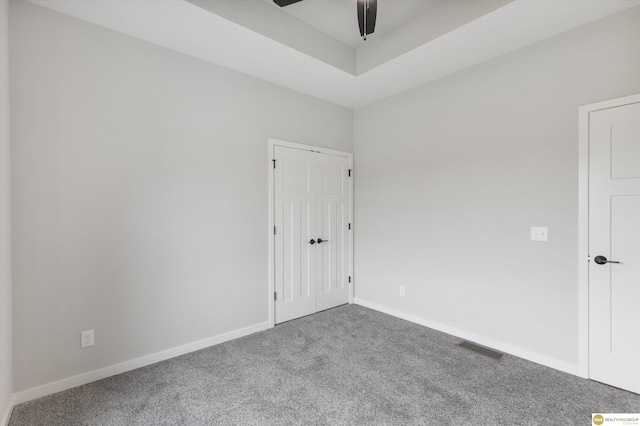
(601, 260)
(320, 241)
(312, 242)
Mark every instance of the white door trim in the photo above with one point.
(583, 224)
(277, 142)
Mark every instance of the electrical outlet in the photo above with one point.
(403, 291)
(86, 338)
(539, 234)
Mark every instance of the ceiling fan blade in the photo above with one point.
(361, 17)
(283, 3)
(371, 17)
(370, 14)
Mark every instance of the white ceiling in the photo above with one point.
(339, 19)
(447, 37)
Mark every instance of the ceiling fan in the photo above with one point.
(367, 11)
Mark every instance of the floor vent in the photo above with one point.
(482, 350)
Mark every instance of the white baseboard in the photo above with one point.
(102, 373)
(6, 415)
(476, 338)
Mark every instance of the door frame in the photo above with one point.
(583, 223)
(295, 145)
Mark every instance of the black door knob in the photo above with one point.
(601, 260)
(320, 241)
(312, 242)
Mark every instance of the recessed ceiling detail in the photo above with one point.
(338, 18)
(367, 11)
(258, 38)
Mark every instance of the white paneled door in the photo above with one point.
(312, 243)
(614, 246)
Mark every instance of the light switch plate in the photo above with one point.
(539, 233)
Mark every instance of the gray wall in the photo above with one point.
(140, 193)
(451, 176)
(6, 386)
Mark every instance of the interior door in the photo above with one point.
(312, 244)
(614, 246)
(295, 183)
(332, 227)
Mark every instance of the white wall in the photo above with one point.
(6, 384)
(139, 193)
(451, 176)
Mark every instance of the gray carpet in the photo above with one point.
(346, 366)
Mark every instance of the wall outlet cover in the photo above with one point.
(539, 233)
(86, 338)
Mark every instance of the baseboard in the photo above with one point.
(479, 339)
(102, 373)
(6, 415)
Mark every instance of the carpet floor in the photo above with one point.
(346, 366)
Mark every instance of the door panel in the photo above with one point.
(625, 152)
(296, 231)
(333, 182)
(296, 173)
(334, 227)
(614, 232)
(625, 280)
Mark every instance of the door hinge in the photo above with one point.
(349, 226)
(274, 163)
(349, 172)
(274, 230)
(275, 296)
(349, 279)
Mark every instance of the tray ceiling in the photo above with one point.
(257, 38)
(338, 19)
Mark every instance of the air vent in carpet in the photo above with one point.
(482, 350)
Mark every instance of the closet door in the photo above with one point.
(295, 183)
(312, 244)
(332, 228)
